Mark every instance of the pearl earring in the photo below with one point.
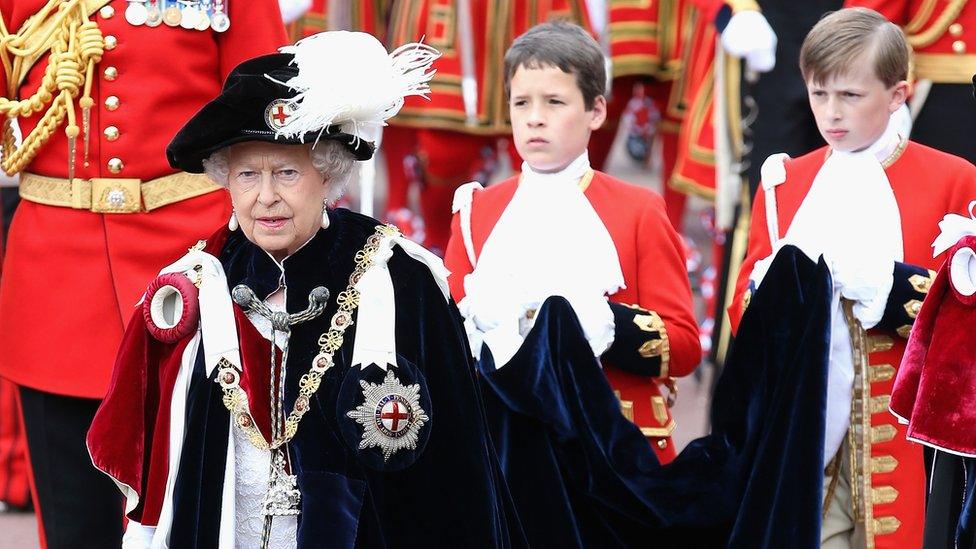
(325, 217)
(232, 224)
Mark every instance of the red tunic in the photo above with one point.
(653, 264)
(72, 276)
(927, 184)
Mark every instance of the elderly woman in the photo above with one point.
(300, 378)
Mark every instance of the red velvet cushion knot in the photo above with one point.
(171, 307)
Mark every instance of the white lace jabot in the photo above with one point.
(548, 241)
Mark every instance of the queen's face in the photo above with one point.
(278, 194)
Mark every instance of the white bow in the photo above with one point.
(954, 227)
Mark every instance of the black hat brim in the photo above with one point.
(237, 115)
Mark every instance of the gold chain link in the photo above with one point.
(329, 342)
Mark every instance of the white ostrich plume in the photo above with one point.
(348, 79)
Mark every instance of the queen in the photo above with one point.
(300, 378)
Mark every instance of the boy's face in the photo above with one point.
(852, 109)
(550, 123)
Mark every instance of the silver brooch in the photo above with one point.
(391, 415)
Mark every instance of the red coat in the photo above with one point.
(72, 276)
(927, 184)
(653, 264)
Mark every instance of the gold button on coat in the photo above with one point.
(111, 133)
(107, 12)
(111, 102)
(110, 42)
(955, 29)
(111, 73)
(959, 46)
(115, 165)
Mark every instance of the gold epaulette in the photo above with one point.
(64, 32)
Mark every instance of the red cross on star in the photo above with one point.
(396, 415)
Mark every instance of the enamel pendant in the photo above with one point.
(283, 497)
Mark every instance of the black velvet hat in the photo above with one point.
(333, 85)
(251, 107)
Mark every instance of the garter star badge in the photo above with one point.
(390, 415)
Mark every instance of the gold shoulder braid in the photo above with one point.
(75, 45)
(329, 342)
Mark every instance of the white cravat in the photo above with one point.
(850, 216)
(548, 241)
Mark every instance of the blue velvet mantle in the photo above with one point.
(582, 475)
(449, 493)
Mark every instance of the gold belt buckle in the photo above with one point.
(116, 195)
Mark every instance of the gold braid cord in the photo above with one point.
(927, 37)
(74, 45)
(235, 399)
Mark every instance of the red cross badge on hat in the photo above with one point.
(278, 113)
(390, 415)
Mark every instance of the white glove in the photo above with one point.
(748, 36)
(492, 319)
(867, 285)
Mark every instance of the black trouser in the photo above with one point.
(948, 524)
(78, 506)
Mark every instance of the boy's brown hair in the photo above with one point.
(563, 45)
(841, 37)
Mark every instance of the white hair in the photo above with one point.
(329, 157)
